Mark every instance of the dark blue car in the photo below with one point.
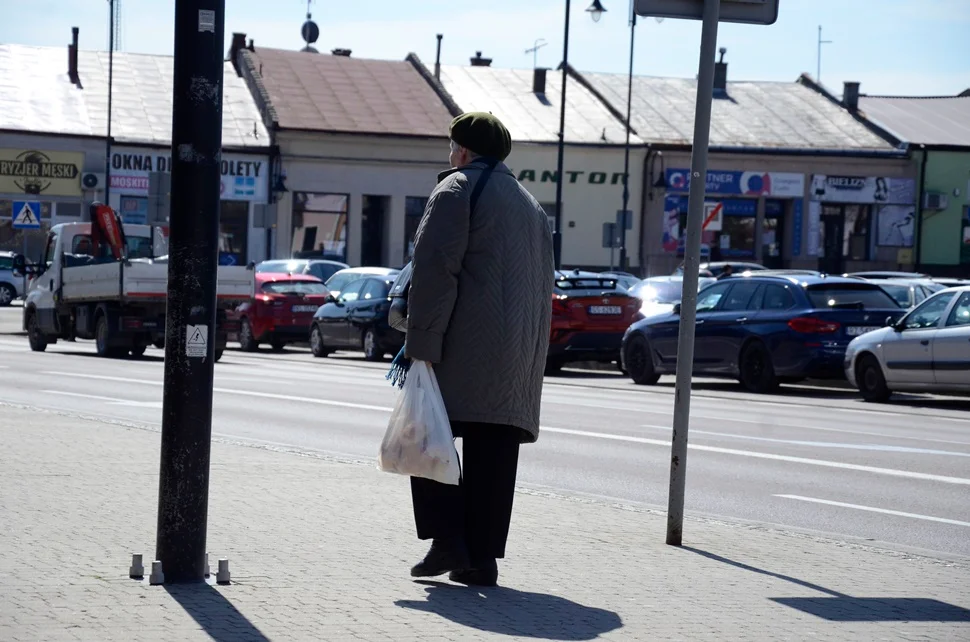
(763, 330)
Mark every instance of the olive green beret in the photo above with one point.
(481, 133)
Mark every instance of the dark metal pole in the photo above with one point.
(111, 74)
(557, 235)
(626, 149)
(183, 489)
(692, 251)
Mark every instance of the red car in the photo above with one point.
(280, 311)
(590, 314)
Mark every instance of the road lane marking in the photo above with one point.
(111, 400)
(244, 393)
(584, 433)
(821, 444)
(871, 509)
(760, 455)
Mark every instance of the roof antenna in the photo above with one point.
(310, 31)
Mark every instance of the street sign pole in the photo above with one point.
(183, 488)
(692, 251)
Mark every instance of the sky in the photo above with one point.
(893, 47)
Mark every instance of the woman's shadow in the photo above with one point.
(515, 613)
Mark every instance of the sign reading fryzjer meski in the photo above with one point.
(244, 178)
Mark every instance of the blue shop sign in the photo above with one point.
(732, 206)
(734, 183)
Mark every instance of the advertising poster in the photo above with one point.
(814, 228)
(896, 225)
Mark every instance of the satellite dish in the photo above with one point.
(310, 32)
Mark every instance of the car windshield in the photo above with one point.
(294, 287)
(324, 271)
(281, 267)
(849, 295)
(659, 291)
(901, 293)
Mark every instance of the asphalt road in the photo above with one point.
(809, 459)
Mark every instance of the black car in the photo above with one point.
(357, 320)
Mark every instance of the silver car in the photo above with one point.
(928, 350)
(11, 283)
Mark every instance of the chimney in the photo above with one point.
(72, 57)
(251, 46)
(238, 44)
(437, 59)
(539, 80)
(850, 96)
(720, 74)
(341, 52)
(478, 61)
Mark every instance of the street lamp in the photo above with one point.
(595, 11)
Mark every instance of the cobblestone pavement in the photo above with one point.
(320, 550)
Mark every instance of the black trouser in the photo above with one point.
(479, 509)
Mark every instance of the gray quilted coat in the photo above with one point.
(480, 302)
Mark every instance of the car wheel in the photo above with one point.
(757, 371)
(160, 344)
(218, 354)
(639, 363)
(372, 349)
(317, 346)
(247, 341)
(36, 338)
(102, 336)
(553, 367)
(871, 381)
(277, 345)
(7, 295)
(138, 351)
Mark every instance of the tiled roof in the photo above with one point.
(36, 95)
(529, 117)
(752, 114)
(926, 121)
(323, 92)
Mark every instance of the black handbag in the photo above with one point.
(397, 315)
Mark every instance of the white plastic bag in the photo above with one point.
(419, 441)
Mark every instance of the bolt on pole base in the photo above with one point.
(158, 576)
(692, 251)
(137, 569)
(222, 576)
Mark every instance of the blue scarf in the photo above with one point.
(399, 370)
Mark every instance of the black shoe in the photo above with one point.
(444, 556)
(483, 573)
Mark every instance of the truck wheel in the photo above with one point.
(160, 344)
(36, 338)
(102, 334)
(246, 339)
(218, 354)
(7, 295)
(138, 351)
(277, 345)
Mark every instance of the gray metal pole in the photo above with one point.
(560, 172)
(626, 148)
(692, 251)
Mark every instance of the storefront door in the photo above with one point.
(832, 260)
(373, 216)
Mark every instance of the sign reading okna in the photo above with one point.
(244, 177)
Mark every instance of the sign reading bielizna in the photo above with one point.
(244, 178)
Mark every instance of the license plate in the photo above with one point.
(857, 330)
(305, 308)
(605, 309)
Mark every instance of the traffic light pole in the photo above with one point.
(183, 489)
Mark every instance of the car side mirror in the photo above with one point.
(891, 323)
(677, 309)
(330, 299)
(20, 266)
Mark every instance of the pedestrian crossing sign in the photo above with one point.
(26, 215)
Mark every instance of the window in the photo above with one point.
(961, 312)
(413, 211)
(777, 298)
(6, 262)
(138, 247)
(233, 232)
(294, 287)
(352, 293)
(323, 270)
(855, 240)
(320, 225)
(901, 293)
(739, 298)
(49, 249)
(850, 296)
(709, 297)
(281, 267)
(341, 280)
(374, 289)
(929, 313)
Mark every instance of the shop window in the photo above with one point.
(320, 226)
(133, 210)
(68, 210)
(233, 232)
(413, 211)
(29, 242)
(373, 215)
